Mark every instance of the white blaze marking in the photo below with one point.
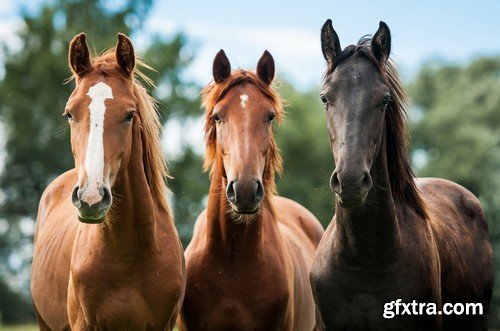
(244, 100)
(94, 160)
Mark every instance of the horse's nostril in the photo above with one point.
(335, 182)
(75, 198)
(106, 197)
(259, 194)
(366, 182)
(230, 192)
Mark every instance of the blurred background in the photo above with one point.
(448, 55)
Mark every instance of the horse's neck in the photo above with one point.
(225, 235)
(371, 233)
(131, 221)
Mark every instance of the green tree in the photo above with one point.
(307, 159)
(457, 136)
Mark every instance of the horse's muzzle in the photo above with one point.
(92, 204)
(245, 196)
(351, 189)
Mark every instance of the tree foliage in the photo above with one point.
(307, 159)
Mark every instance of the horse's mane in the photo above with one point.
(155, 166)
(213, 93)
(401, 175)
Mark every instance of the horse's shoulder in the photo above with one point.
(59, 188)
(292, 214)
(61, 185)
(199, 235)
(290, 207)
(200, 220)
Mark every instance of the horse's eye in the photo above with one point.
(129, 117)
(216, 118)
(271, 117)
(386, 101)
(323, 99)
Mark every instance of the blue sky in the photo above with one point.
(455, 31)
(451, 30)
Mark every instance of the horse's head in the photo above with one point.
(239, 130)
(100, 112)
(356, 96)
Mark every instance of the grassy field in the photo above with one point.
(26, 327)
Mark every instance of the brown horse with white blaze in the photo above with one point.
(249, 259)
(115, 262)
(393, 238)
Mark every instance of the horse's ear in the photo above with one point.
(330, 43)
(125, 55)
(381, 42)
(265, 67)
(221, 68)
(79, 55)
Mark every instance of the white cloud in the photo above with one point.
(9, 29)
(7, 6)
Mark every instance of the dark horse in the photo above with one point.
(249, 260)
(393, 236)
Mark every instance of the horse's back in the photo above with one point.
(54, 234)
(300, 230)
(302, 233)
(298, 219)
(461, 233)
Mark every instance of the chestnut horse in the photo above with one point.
(249, 259)
(115, 261)
(392, 237)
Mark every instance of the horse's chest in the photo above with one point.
(352, 297)
(234, 314)
(230, 299)
(132, 307)
(125, 309)
(132, 299)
